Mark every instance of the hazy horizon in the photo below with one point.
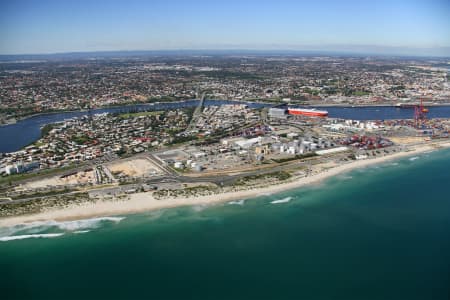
(338, 51)
(412, 28)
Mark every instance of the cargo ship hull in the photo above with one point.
(307, 112)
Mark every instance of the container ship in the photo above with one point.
(307, 112)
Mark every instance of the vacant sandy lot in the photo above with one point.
(79, 178)
(406, 139)
(134, 168)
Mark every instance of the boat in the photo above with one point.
(312, 112)
(406, 105)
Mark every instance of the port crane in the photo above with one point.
(420, 114)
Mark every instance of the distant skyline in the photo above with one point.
(415, 27)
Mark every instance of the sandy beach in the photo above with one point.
(144, 201)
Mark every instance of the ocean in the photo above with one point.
(381, 232)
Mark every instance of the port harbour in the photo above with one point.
(203, 150)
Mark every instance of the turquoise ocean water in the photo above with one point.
(381, 232)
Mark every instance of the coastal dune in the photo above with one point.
(145, 201)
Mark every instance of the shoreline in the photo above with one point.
(144, 201)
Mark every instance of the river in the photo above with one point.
(13, 137)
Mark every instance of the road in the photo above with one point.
(197, 112)
(171, 179)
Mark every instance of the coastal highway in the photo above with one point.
(173, 180)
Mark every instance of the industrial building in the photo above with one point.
(278, 112)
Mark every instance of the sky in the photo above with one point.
(419, 27)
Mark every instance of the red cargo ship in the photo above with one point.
(307, 112)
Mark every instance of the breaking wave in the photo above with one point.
(48, 228)
(284, 200)
(414, 158)
(239, 202)
(30, 236)
(84, 224)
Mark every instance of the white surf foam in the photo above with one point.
(199, 208)
(265, 194)
(284, 200)
(39, 227)
(81, 231)
(153, 215)
(414, 158)
(85, 224)
(29, 236)
(239, 202)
